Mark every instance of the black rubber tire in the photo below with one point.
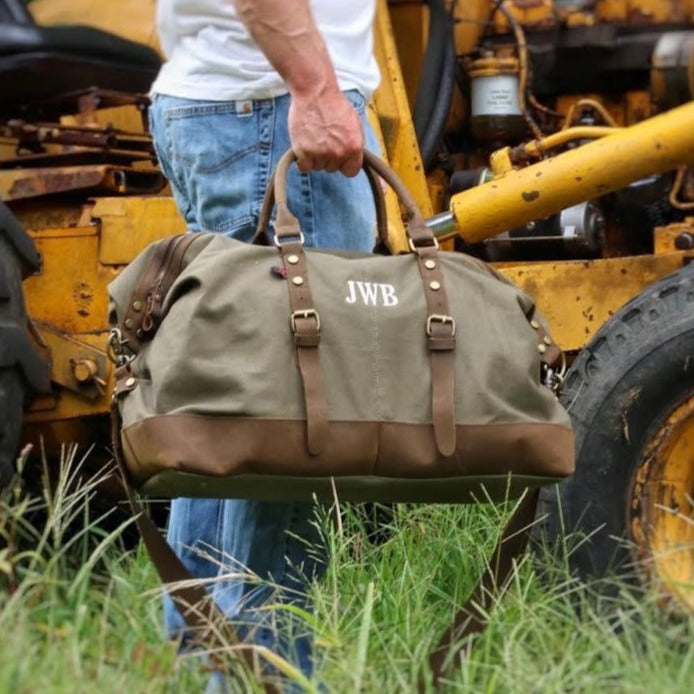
(620, 389)
(13, 387)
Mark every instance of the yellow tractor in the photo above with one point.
(551, 138)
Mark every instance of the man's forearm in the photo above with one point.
(324, 130)
(287, 34)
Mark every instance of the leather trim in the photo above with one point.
(219, 446)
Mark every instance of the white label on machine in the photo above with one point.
(495, 96)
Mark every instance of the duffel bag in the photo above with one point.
(282, 372)
(273, 371)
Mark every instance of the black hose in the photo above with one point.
(427, 89)
(436, 83)
(433, 134)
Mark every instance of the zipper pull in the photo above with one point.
(147, 324)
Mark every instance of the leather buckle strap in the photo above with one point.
(305, 325)
(304, 322)
(415, 246)
(442, 320)
(291, 237)
(440, 331)
(305, 313)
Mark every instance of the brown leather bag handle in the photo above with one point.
(417, 231)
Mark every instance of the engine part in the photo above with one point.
(672, 69)
(495, 107)
(578, 229)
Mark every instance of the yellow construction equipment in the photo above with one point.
(553, 138)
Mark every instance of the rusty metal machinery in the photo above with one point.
(551, 137)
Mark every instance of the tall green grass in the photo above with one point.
(79, 613)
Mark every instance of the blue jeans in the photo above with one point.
(218, 157)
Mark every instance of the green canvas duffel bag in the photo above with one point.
(277, 372)
(280, 372)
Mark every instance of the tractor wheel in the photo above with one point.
(13, 388)
(630, 394)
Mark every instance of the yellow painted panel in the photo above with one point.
(130, 224)
(394, 114)
(70, 290)
(577, 297)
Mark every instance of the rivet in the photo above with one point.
(547, 341)
(130, 382)
(541, 349)
(298, 281)
(137, 305)
(129, 323)
(292, 259)
(429, 264)
(435, 285)
(534, 324)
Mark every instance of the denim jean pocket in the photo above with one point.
(211, 138)
(214, 156)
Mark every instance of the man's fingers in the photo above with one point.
(349, 166)
(326, 133)
(304, 162)
(352, 165)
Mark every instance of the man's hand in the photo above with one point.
(325, 132)
(324, 129)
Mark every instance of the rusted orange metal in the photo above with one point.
(16, 184)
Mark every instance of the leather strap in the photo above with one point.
(210, 627)
(441, 336)
(137, 301)
(305, 326)
(142, 314)
(469, 619)
(261, 236)
(304, 321)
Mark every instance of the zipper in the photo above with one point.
(169, 270)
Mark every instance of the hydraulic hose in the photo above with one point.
(439, 115)
(436, 83)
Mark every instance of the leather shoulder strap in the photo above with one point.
(210, 627)
(469, 620)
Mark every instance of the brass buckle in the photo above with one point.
(414, 248)
(440, 318)
(305, 313)
(292, 238)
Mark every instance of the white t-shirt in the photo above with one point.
(211, 55)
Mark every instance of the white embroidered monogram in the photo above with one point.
(371, 293)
